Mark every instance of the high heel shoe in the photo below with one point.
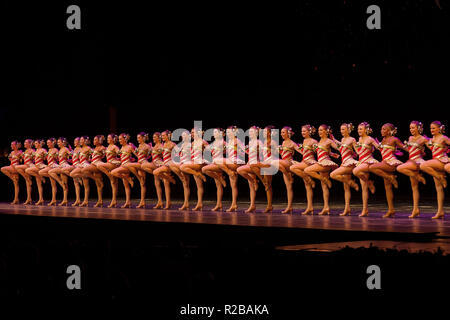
(345, 213)
(112, 205)
(307, 212)
(287, 210)
(140, 205)
(268, 209)
(126, 205)
(438, 216)
(158, 206)
(217, 208)
(414, 214)
(250, 210)
(324, 212)
(62, 203)
(98, 204)
(232, 209)
(389, 215)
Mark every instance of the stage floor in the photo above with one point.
(374, 223)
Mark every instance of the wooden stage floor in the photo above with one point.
(374, 223)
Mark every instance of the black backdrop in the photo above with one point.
(148, 67)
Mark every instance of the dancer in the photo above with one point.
(324, 165)
(122, 172)
(28, 158)
(213, 170)
(184, 154)
(386, 168)
(33, 170)
(112, 162)
(411, 168)
(163, 172)
(10, 171)
(194, 167)
(52, 162)
(268, 147)
(75, 154)
(57, 172)
(235, 157)
(344, 172)
(306, 149)
(254, 151)
(84, 156)
(92, 171)
(364, 148)
(142, 152)
(157, 161)
(435, 167)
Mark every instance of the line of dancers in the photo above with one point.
(232, 157)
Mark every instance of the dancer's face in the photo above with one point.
(37, 144)
(361, 130)
(110, 139)
(217, 134)
(155, 138)
(305, 132)
(385, 131)
(27, 144)
(50, 144)
(122, 140)
(344, 131)
(60, 143)
(413, 129)
(165, 137)
(82, 142)
(96, 141)
(76, 142)
(252, 133)
(322, 132)
(284, 134)
(434, 128)
(140, 139)
(185, 136)
(230, 134)
(13, 145)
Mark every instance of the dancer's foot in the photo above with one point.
(76, 203)
(52, 203)
(443, 181)
(63, 203)
(112, 204)
(16, 201)
(130, 181)
(287, 210)
(185, 206)
(389, 214)
(39, 202)
(308, 211)
(84, 204)
(141, 205)
(421, 178)
(201, 176)
(171, 179)
(268, 209)
(345, 213)
(158, 205)
(324, 212)
(222, 181)
(364, 213)
(371, 186)
(198, 207)
(126, 205)
(353, 184)
(327, 181)
(393, 181)
(28, 202)
(250, 209)
(168, 205)
(217, 208)
(414, 214)
(232, 208)
(438, 216)
(98, 204)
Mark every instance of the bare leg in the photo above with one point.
(269, 193)
(440, 199)
(389, 198)
(416, 196)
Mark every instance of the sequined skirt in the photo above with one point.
(349, 163)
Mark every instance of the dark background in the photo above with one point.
(149, 67)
